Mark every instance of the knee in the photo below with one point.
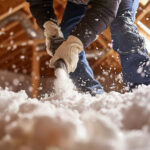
(123, 23)
(126, 35)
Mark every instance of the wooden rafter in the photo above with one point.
(143, 13)
(144, 2)
(13, 11)
(26, 43)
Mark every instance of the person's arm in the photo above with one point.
(99, 16)
(45, 17)
(43, 11)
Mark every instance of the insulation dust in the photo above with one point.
(63, 85)
(75, 121)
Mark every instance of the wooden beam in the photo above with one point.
(107, 34)
(144, 2)
(42, 53)
(62, 2)
(10, 26)
(27, 9)
(13, 11)
(144, 12)
(102, 42)
(9, 57)
(35, 72)
(14, 24)
(17, 61)
(101, 59)
(143, 32)
(5, 42)
(25, 43)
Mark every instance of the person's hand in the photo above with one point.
(51, 30)
(68, 51)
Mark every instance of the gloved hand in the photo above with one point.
(68, 51)
(51, 30)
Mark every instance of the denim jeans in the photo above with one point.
(130, 46)
(126, 41)
(83, 76)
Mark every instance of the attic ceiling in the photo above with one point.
(20, 37)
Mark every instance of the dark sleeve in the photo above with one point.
(43, 11)
(99, 16)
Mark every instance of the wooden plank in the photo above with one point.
(18, 61)
(13, 11)
(103, 42)
(144, 2)
(26, 43)
(143, 13)
(14, 24)
(42, 53)
(107, 34)
(8, 57)
(5, 42)
(35, 73)
(101, 59)
(142, 31)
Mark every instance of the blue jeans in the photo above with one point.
(126, 41)
(130, 46)
(83, 76)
